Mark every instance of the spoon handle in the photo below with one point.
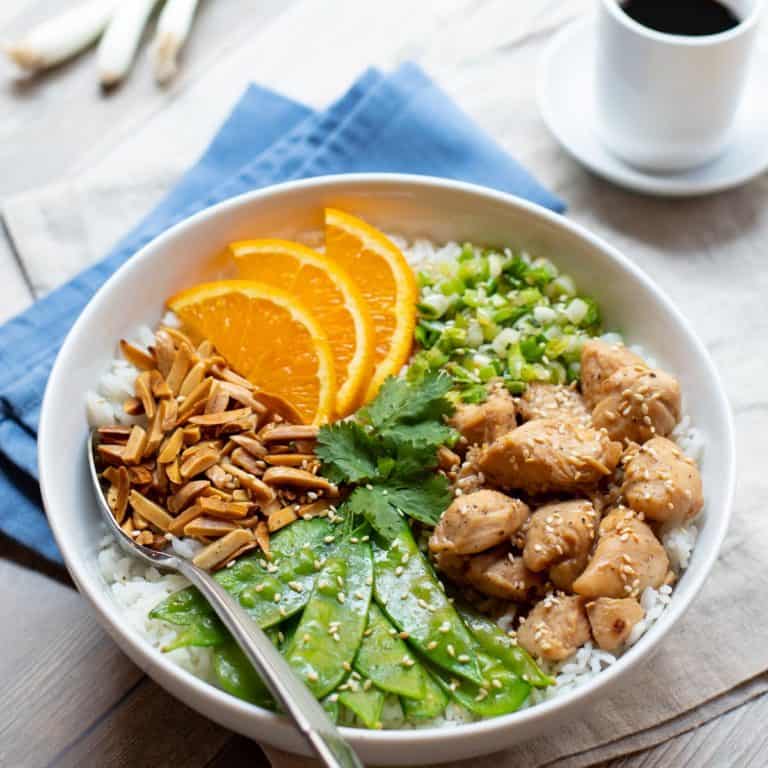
(294, 697)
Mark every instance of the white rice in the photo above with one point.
(137, 588)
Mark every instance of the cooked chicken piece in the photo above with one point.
(612, 620)
(663, 483)
(637, 404)
(599, 361)
(452, 566)
(627, 559)
(550, 455)
(553, 401)
(555, 628)
(499, 573)
(484, 422)
(560, 537)
(477, 521)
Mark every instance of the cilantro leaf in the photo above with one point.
(372, 505)
(425, 501)
(348, 453)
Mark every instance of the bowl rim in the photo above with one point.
(230, 710)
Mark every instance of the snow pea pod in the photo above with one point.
(408, 591)
(502, 690)
(384, 659)
(235, 674)
(366, 703)
(494, 641)
(432, 705)
(296, 550)
(331, 628)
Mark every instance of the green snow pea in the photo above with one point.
(432, 705)
(408, 591)
(296, 551)
(502, 690)
(384, 658)
(331, 706)
(493, 640)
(366, 703)
(235, 675)
(331, 628)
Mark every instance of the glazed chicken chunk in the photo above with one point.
(663, 483)
(555, 628)
(637, 404)
(477, 521)
(599, 361)
(553, 401)
(484, 422)
(560, 537)
(500, 573)
(612, 620)
(546, 455)
(627, 559)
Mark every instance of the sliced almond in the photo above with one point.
(170, 409)
(218, 418)
(186, 495)
(139, 523)
(261, 534)
(182, 362)
(159, 385)
(243, 424)
(120, 489)
(140, 474)
(285, 433)
(156, 433)
(222, 549)
(199, 461)
(205, 349)
(297, 478)
(240, 494)
(127, 526)
(179, 523)
(301, 460)
(143, 390)
(243, 395)
(192, 435)
(219, 477)
(159, 481)
(260, 490)
(229, 510)
(134, 448)
(279, 407)
(113, 454)
(172, 472)
(133, 407)
(150, 511)
(218, 399)
(179, 337)
(171, 447)
(251, 444)
(165, 352)
(114, 434)
(247, 462)
(211, 527)
(224, 495)
(317, 508)
(238, 553)
(192, 379)
(135, 356)
(195, 401)
(227, 374)
(281, 518)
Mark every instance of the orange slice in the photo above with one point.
(328, 292)
(386, 281)
(269, 337)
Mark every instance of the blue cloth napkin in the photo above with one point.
(399, 122)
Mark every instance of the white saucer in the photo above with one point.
(566, 101)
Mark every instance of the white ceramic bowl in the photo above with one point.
(414, 207)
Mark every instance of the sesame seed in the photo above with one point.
(341, 597)
(431, 645)
(450, 650)
(296, 586)
(346, 666)
(463, 659)
(408, 661)
(312, 676)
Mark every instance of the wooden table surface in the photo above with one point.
(70, 697)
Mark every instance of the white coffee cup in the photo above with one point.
(667, 102)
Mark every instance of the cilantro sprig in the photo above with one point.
(389, 453)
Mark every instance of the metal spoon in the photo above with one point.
(293, 696)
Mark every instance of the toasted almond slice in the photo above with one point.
(219, 477)
(122, 486)
(186, 495)
(143, 391)
(140, 475)
(199, 461)
(282, 517)
(192, 434)
(218, 493)
(204, 349)
(192, 379)
(189, 514)
(170, 409)
(250, 444)
(139, 523)
(134, 448)
(244, 424)
(277, 406)
(244, 396)
(240, 494)
(195, 401)
(159, 481)
(112, 454)
(164, 350)
(127, 526)
(173, 473)
(171, 447)
(114, 434)
(145, 538)
(229, 510)
(244, 459)
(290, 459)
(317, 508)
(156, 432)
(179, 337)
(160, 388)
(208, 526)
(227, 374)
(150, 511)
(133, 407)
(261, 534)
(218, 399)
(217, 418)
(297, 478)
(182, 361)
(235, 555)
(260, 490)
(285, 433)
(249, 522)
(221, 550)
(135, 356)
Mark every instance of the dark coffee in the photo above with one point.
(682, 17)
